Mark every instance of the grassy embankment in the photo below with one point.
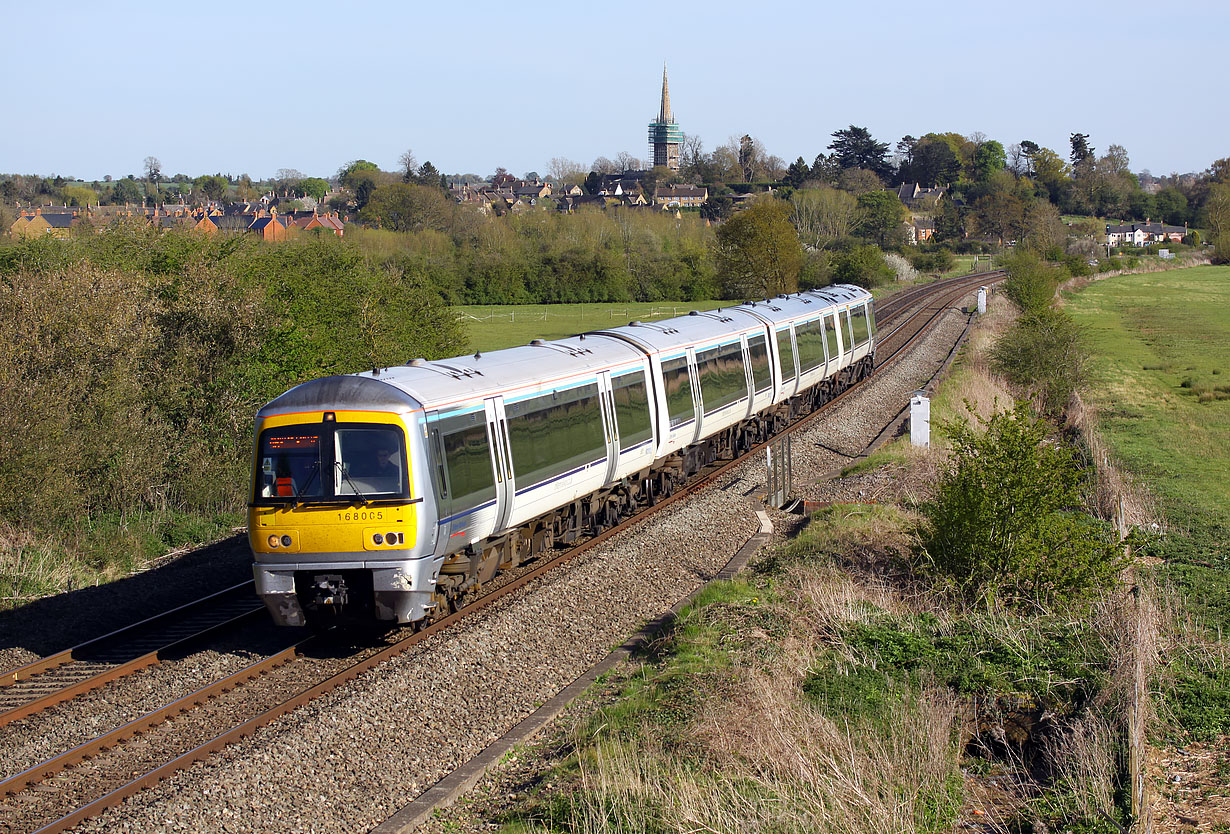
(1162, 342)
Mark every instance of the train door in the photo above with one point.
(501, 460)
(610, 427)
(697, 402)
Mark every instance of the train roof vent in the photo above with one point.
(418, 363)
(694, 313)
(538, 342)
(634, 324)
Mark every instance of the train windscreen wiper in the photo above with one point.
(346, 477)
(303, 488)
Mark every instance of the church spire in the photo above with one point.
(664, 113)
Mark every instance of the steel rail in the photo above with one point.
(61, 691)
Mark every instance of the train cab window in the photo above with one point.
(722, 378)
(368, 462)
(678, 390)
(331, 462)
(830, 335)
(291, 464)
(631, 397)
(555, 433)
(467, 461)
(758, 355)
(858, 325)
(785, 352)
(810, 338)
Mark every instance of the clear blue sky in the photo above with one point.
(93, 88)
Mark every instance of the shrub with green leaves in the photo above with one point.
(1006, 524)
(1044, 352)
(1031, 282)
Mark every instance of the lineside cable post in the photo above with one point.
(779, 471)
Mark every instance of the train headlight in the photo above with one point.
(391, 538)
(273, 541)
(286, 541)
(377, 538)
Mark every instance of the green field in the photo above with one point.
(492, 327)
(1162, 371)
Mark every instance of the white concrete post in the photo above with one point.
(982, 300)
(920, 419)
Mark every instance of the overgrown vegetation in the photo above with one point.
(131, 369)
(1007, 522)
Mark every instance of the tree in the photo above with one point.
(1080, 148)
(1000, 214)
(881, 216)
(1217, 219)
(213, 186)
(1171, 205)
(601, 165)
(408, 166)
(593, 183)
(933, 162)
(625, 161)
(717, 208)
(824, 216)
(988, 159)
(314, 187)
(361, 177)
(126, 191)
(855, 148)
(752, 157)
(153, 169)
(428, 175)
(863, 266)
(79, 195)
(566, 171)
(1051, 172)
(758, 251)
(797, 173)
(859, 181)
(406, 207)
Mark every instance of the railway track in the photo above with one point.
(80, 783)
(59, 677)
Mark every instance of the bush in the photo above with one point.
(1031, 283)
(1044, 353)
(863, 266)
(941, 260)
(1006, 523)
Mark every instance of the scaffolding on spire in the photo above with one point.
(665, 137)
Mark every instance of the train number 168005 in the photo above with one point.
(361, 515)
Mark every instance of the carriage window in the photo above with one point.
(722, 377)
(758, 354)
(678, 390)
(786, 353)
(810, 337)
(858, 324)
(631, 398)
(848, 331)
(555, 433)
(467, 461)
(830, 332)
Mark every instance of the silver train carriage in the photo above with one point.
(386, 495)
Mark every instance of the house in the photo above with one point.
(269, 227)
(1144, 234)
(924, 229)
(314, 221)
(531, 190)
(680, 196)
(56, 224)
(915, 196)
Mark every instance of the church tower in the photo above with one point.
(665, 137)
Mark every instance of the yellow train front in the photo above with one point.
(335, 519)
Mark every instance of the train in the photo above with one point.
(385, 496)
